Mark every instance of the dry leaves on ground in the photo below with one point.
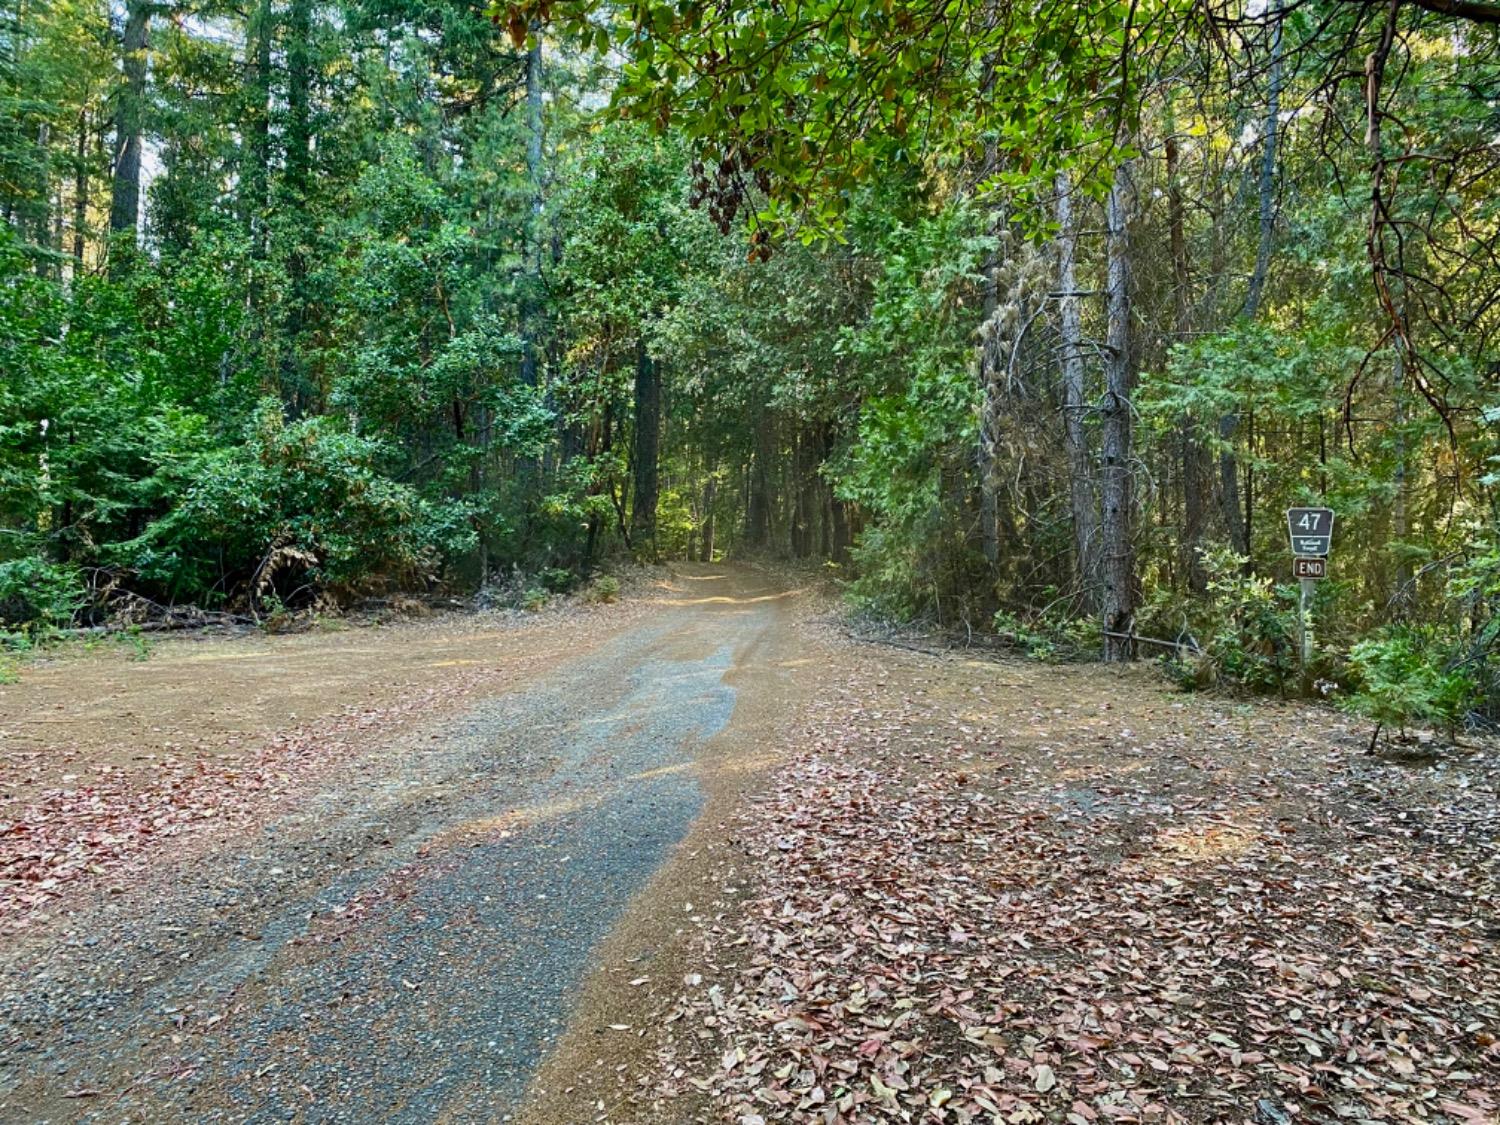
(1197, 919)
(113, 815)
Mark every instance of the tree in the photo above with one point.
(130, 119)
(1117, 548)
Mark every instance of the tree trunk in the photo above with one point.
(1270, 129)
(298, 97)
(1081, 494)
(255, 173)
(42, 218)
(296, 390)
(531, 297)
(991, 411)
(1402, 599)
(758, 502)
(710, 494)
(80, 193)
(125, 197)
(1192, 469)
(1118, 558)
(843, 535)
(1229, 488)
(806, 485)
(647, 448)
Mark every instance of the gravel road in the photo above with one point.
(406, 944)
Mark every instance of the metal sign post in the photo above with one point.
(1311, 533)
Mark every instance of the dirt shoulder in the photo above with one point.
(1000, 891)
(105, 755)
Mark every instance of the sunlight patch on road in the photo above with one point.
(1219, 841)
(510, 822)
(661, 771)
(724, 599)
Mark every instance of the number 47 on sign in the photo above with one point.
(1311, 531)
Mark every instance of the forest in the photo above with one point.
(1027, 320)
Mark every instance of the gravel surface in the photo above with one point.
(406, 944)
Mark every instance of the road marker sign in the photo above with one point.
(1311, 533)
(1311, 530)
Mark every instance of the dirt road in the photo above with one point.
(403, 934)
(706, 857)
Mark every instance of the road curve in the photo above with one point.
(407, 945)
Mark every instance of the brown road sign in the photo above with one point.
(1309, 568)
(1311, 530)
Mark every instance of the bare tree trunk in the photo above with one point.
(1271, 130)
(1082, 498)
(758, 501)
(1399, 527)
(255, 172)
(531, 298)
(1118, 556)
(42, 218)
(1229, 487)
(58, 224)
(990, 417)
(802, 508)
(647, 448)
(1192, 469)
(299, 105)
(125, 198)
(80, 193)
(843, 535)
(710, 494)
(296, 388)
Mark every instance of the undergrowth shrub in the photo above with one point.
(305, 500)
(37, 593)
(1051, 638)
(557, 579)
(1404, 676)
(602, 590)
(1242, 634)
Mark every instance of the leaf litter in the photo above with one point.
(74, 834)
(1006, 893)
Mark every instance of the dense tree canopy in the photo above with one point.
(1030, 318)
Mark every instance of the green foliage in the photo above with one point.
(557, 579)
(1049, 638)
(1246, 628)
(34, 591)
(818, 99)
(1403, 676)
(297, 504)
(905, 463)
(602, 590)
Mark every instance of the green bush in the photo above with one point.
(1402, 677)
(604, 589)
(557, 579)
(1050, 638)
(534, 599)
(300, 506)
(1252, 626)
(35, 591)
